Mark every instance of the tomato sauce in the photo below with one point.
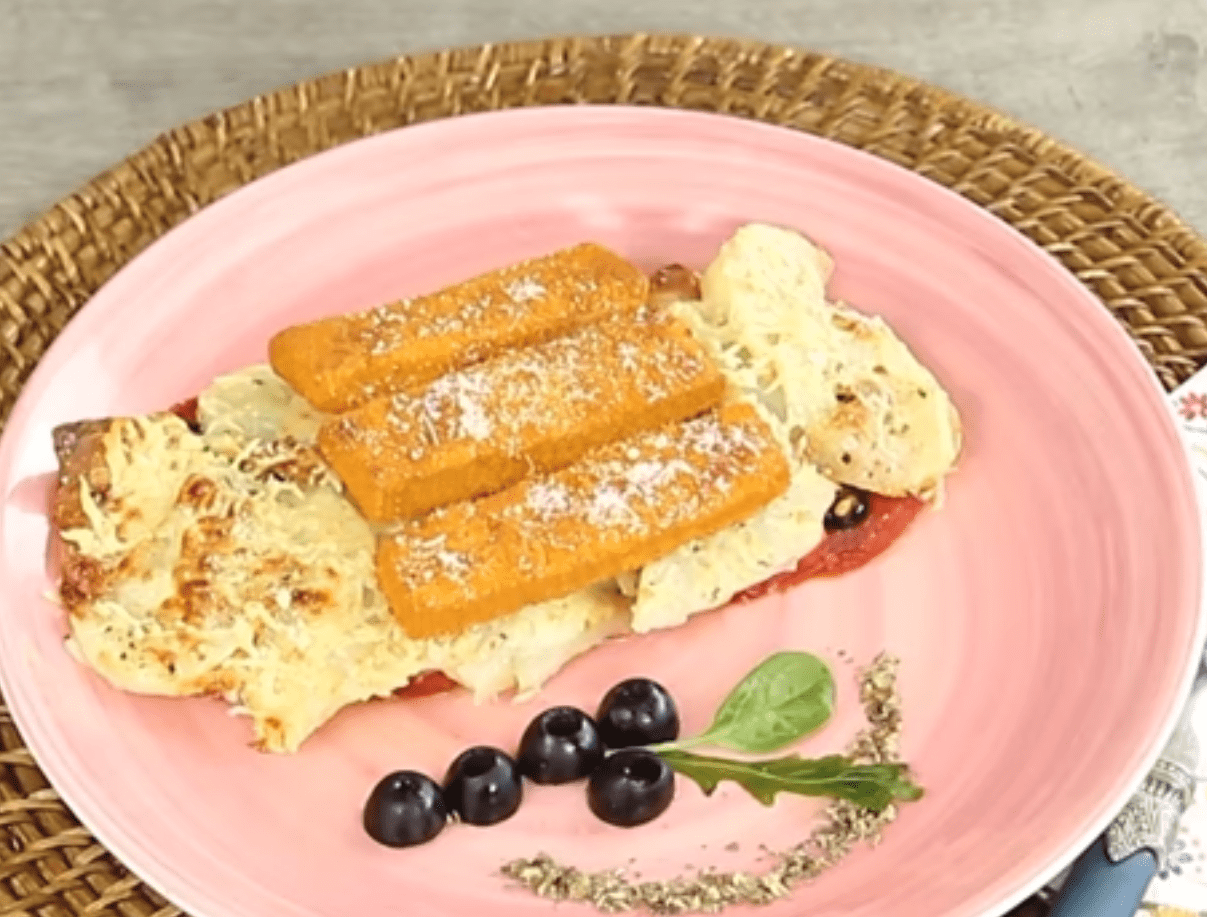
(187, 411)
(425, 684)
(846, 550)
(842, 551)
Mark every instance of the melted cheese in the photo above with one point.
(863, 408)
(236, 566)
(759, 350)
(229, 581)
(848, 400)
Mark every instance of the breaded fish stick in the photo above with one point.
(616, 509)
(337, 363)
(536, 409)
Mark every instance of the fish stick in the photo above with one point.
(616, 509)
(340, 362)
(536, 409)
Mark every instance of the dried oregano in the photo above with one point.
(843, 824)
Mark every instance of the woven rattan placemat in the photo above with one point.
(1130, 251)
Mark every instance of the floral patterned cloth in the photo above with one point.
(1181, 889)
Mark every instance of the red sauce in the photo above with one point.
(426, 684)
(187, 411)
(848, 550)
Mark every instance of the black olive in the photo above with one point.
(482, 786)
(632, 786)
(850, 507)
(559, 745)
(637, 712)
(404, 809)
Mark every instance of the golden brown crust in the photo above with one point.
(531, 410)
(883, 423)
(79, 448)
(340, 362)
(616, 509)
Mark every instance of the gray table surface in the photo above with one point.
(83, 83)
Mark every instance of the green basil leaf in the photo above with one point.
(786, 697)
(870, 786)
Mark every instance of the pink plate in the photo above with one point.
(1046, 616)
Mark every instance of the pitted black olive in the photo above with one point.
(560, 745)
(637, 712)
(483, 786)
(631, 787)
(404, 809)
(850, 507)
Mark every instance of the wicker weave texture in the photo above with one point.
(1130, 251)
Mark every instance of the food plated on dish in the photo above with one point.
(981, 600)
(490, 480)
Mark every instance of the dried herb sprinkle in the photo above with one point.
(843, 825)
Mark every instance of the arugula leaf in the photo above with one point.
(871, 786)
(787, 696)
